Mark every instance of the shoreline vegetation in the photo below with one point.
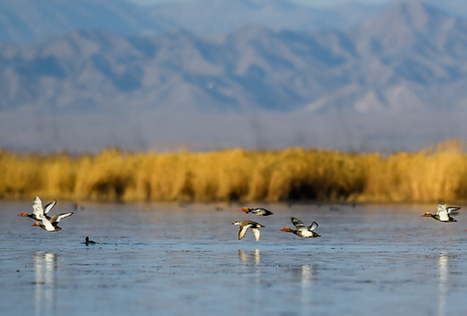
(438, 174)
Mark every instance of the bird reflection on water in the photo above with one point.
(248, 258)
(252, 266)
(443, 267)
(257, 267)
(45, 267)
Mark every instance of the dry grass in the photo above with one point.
(435, 175)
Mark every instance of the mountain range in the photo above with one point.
(405, 61)
(28, 21)
(411, 56)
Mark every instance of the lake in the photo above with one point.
(185, 259)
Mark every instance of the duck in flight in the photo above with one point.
(248, 224)
(260, 211)
(444, 213)
(38, 212)
(302, 230)
(52, 224)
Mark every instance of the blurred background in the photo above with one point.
(83, 75)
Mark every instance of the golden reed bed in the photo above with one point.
(434, 175)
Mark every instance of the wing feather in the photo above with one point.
(57, 218)
(37, 209)
(297, 223)
(453, 209)
(443, 213)
(256, 232)
(49, 206)
(313, 226)
(242, 231)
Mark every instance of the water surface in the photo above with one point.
(173, 259)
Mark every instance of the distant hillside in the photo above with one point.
(223, 16)
(396, 79)
(412, 56)
(26, 21)
(29, 21)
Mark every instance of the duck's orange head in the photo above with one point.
(243, 209)
(23, 214)
(427, 214)
(36, 224)
(286, 229)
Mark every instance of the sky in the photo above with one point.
(317, 3)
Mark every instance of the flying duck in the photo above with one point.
(257, 211)
(302, 230)
(444, 213)
(248, 224)
(38, 212)
(52, 224)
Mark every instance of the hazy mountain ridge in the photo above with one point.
(223, 16)
(410, 56)
(26, 21)
(377, 85)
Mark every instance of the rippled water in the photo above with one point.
(171, 259)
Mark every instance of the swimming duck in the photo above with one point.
(248, 224)
(443, 214)
(89, 242)
(257, 211)
(38, 212)
(302, 230)
(52, 224)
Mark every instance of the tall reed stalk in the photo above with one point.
(434, 175)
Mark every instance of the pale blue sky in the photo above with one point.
(318, 3)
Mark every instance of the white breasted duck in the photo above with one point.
(248, 224)
(302, 230)
(260, 211)
(38, 212)
(443, 214)
(52, 224)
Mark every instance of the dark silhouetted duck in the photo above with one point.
(302, 230)
(52, 224)
(248, 224)
(257, 211)
(89, 242)
(443, 214)
(38, 212)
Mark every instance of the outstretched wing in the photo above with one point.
(443, 213)
(242, 231)
(297, 223)
(313, 226)
(453, 209)
(49, 206)
(57, 218)
(262, 211)
(256, 232)
(37, 209)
